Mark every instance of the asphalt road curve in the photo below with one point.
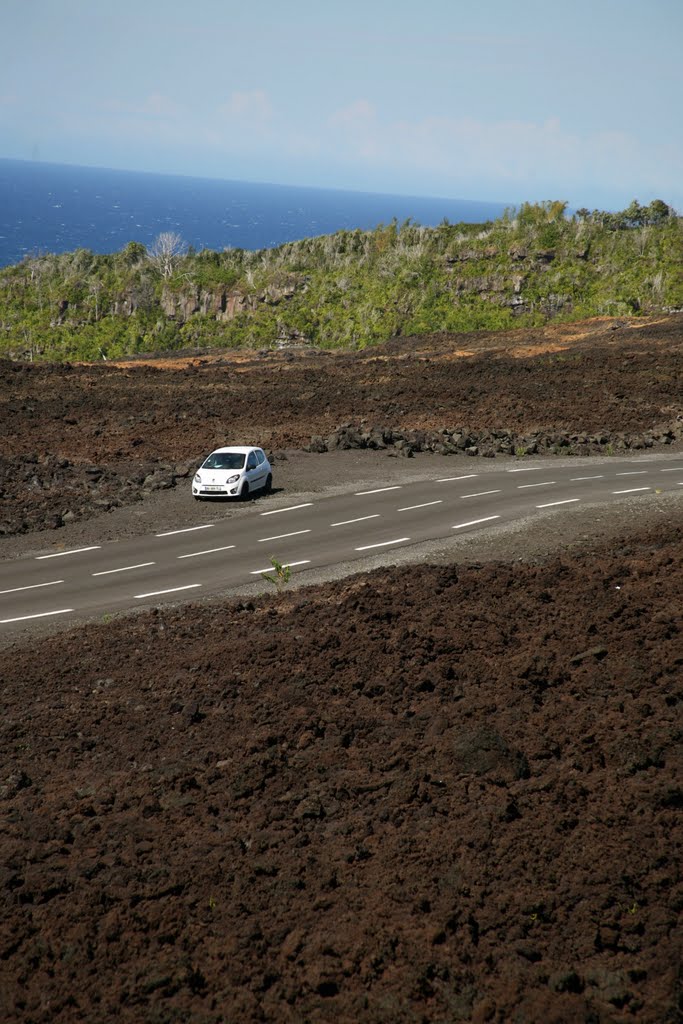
(328, 531)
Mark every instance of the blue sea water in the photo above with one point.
(57, 208)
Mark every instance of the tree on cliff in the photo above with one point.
(166, 251)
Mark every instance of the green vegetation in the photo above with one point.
(280, 578)
(350, 289)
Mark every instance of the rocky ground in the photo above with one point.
(421, 794)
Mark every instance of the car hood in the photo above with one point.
(218, 476)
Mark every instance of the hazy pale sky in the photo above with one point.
(507, 100)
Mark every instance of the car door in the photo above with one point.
(253, 471)
(262, 467)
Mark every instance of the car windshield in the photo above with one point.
(224, 460)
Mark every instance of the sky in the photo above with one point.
(501, 100)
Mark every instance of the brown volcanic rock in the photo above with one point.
(424, 794)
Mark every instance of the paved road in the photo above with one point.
(206, 559)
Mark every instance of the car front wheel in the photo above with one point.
(244, 493)
(268, 486)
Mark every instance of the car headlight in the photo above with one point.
(197, 478)
(233, 479)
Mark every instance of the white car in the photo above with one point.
(233, 473)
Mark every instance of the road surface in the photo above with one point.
(206, 559)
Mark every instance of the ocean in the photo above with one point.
(56, 208)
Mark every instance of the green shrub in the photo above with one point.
(353, 288)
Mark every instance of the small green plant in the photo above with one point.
(279, 578)
(106, 618)
(520, 450)
(212, 903)
(609, 449)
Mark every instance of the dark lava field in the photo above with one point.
(434, 793)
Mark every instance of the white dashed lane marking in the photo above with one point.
(631, 490)
(574, 479)
(474, 522)
(188, 529)
(425, 504)
(479, 494)
(379, 490)
(74, 551)
(285, 565)
(34, 586)
(281, 536)
(545, 483)
(40, 615)
(125, 568)
(567, 501)
(346, 522)
(211, 551)
(290, 508)
(526, 469)
(633, 472)
(171, 590)
(384, 544)
(448, 479)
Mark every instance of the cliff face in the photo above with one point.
(504, 288)
(221, 303)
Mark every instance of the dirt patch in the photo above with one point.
(548, 338)
(425, 794)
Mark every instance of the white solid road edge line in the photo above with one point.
(211, 551)
(290, 508)
(378, 490)
(525, 469)
(34, 586)
(40, 615)
(474, 522)
(125, 568)
(567, 501)
(632, 490)
(281, 536)
(172, 590)
(384, 544)
(285, 565)
(74, 551)
(188, 529)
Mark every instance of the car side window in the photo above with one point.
(251, 461)
(260, 457)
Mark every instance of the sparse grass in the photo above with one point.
(280, 577)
